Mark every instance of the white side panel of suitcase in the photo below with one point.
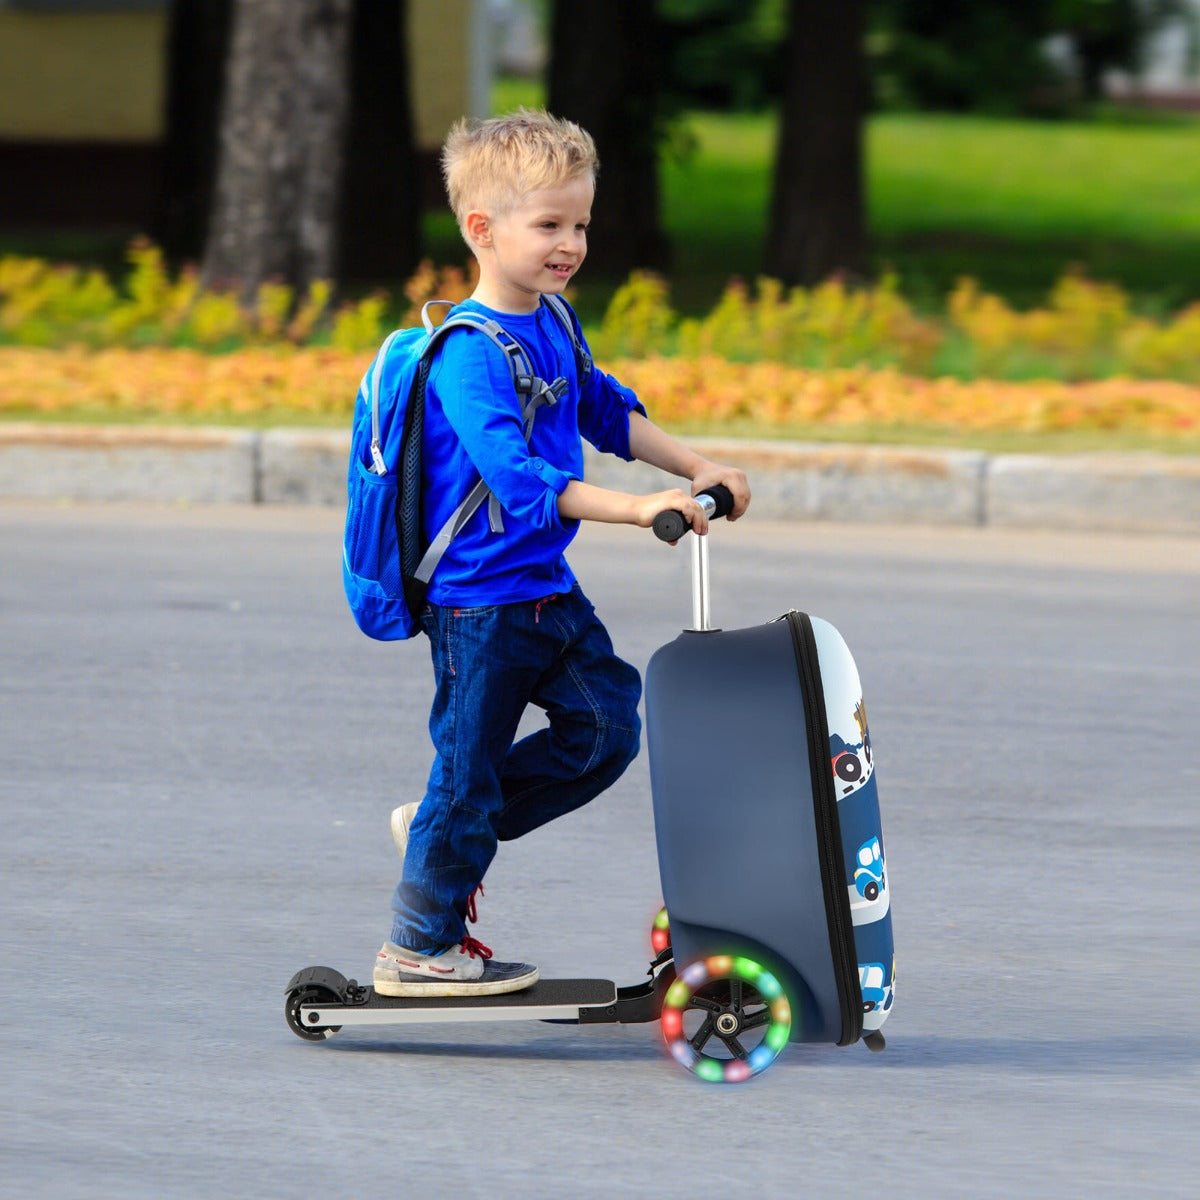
(852, 761)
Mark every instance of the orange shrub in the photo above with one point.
(267, 383)
(126, 384)
(771, 394)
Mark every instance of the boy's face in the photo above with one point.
(533, 249)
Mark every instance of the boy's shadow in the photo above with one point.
(556, 1050)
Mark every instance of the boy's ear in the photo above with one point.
(478, 228)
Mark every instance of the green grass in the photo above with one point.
(1012, 203)
(1031, 181)
(715, 202)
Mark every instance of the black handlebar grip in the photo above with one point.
(723, 497)
(669, 526)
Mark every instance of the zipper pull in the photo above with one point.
(377, 458)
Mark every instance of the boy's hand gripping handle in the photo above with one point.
(717, 501)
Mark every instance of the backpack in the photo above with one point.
(385, 567)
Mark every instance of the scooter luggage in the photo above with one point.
(769, 839)
(739, 828)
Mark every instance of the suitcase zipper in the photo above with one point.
(829, 835)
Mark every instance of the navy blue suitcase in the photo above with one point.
(769, 839)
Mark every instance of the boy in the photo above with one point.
(508, 625)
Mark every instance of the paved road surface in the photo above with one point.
(198, 754)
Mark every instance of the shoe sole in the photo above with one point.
(448, 987)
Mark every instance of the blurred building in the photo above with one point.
(1169, 72)
(82, 100)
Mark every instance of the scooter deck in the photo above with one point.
(321, 1001)
(546, 1000)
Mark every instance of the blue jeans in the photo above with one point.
(489, 664)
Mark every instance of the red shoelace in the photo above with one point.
(472, 912)
(474, 946)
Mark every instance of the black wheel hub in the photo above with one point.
(296, 1023)
(731, 1008)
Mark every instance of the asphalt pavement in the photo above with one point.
(199, 753)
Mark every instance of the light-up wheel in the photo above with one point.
(725, 1019)
(660, 932)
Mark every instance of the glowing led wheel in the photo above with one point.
(726, 1019)
(660, 932)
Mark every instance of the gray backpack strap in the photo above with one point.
(514, 353)
(583, 360)
(449, 531)
(541, 393)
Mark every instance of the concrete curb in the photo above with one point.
(83, 462)
(1134, 493)
(1145, 493)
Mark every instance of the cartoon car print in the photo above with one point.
(870, 897)
(876, 994)
(868, 873)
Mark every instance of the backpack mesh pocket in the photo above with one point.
(372, 549)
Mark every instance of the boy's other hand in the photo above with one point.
(711, 474)
(648, 507)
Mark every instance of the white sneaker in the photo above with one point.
(463, 970)
(402, 819)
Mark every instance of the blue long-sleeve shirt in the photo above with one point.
(473, 428)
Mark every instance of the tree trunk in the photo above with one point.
(603, 75)
(197, 47)
(280, 154)
(817, 210)
(379, 217)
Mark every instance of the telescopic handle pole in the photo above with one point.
(670, 527)
(701, 612)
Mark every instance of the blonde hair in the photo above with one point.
(493, 165)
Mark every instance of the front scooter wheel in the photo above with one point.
(312, 994)
(725, 1019)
